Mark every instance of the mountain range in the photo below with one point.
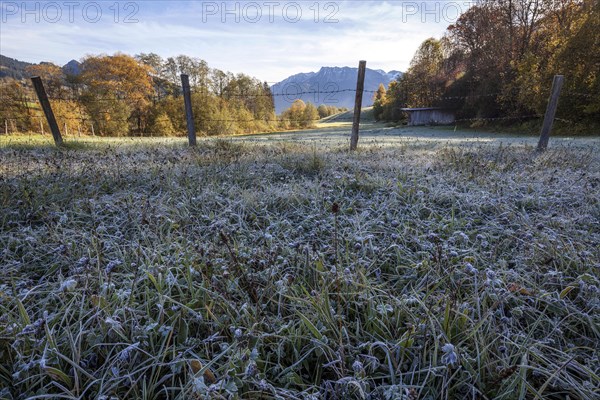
(335, 86)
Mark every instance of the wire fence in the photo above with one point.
(292, 95)
(78, 121)
(79, 102)
(295, 95)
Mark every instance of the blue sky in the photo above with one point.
(266, 39)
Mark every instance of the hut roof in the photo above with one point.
(424, 109)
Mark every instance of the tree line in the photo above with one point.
(498, 60)
(121, 95)
(303, 115)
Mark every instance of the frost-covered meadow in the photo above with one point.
(417, 268)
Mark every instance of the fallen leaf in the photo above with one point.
(197, 366)
(566, 291)
(516, 288)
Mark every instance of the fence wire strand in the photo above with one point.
(81, 100)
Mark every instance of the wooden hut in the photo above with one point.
(429, 116)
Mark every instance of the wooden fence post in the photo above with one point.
(45, 103)
(557, 84)
(187, 98)
(360, 85)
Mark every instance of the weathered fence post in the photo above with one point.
(42, 126)
(6, 127)
(45, 103)
(187, 98)
(557, 84)
(360, 85)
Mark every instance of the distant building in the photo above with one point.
(429, 116)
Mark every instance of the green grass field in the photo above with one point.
(430, 264)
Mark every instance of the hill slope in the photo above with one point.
(16, 69)
(12, 68)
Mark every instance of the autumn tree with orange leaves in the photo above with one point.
(117, 92)
(498, 60)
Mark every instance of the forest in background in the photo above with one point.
(498, 61)
(121, 95)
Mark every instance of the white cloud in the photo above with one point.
(380, 32)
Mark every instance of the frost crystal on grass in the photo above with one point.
(461, 236)
(281, 286)
(199, 386)
(150, 327)
(263, 385)
(112, 265)
(170, 279)
(251, 370)
(123, 294)
(470, 269)
(384, 309)
(164, 330)
(126, 353)
(113, 323)
(237, 333)
(106, 287)
(449, 357)
(492, 279)
(68, 285)
(82, 262)
(410, 300)
(32, 328)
